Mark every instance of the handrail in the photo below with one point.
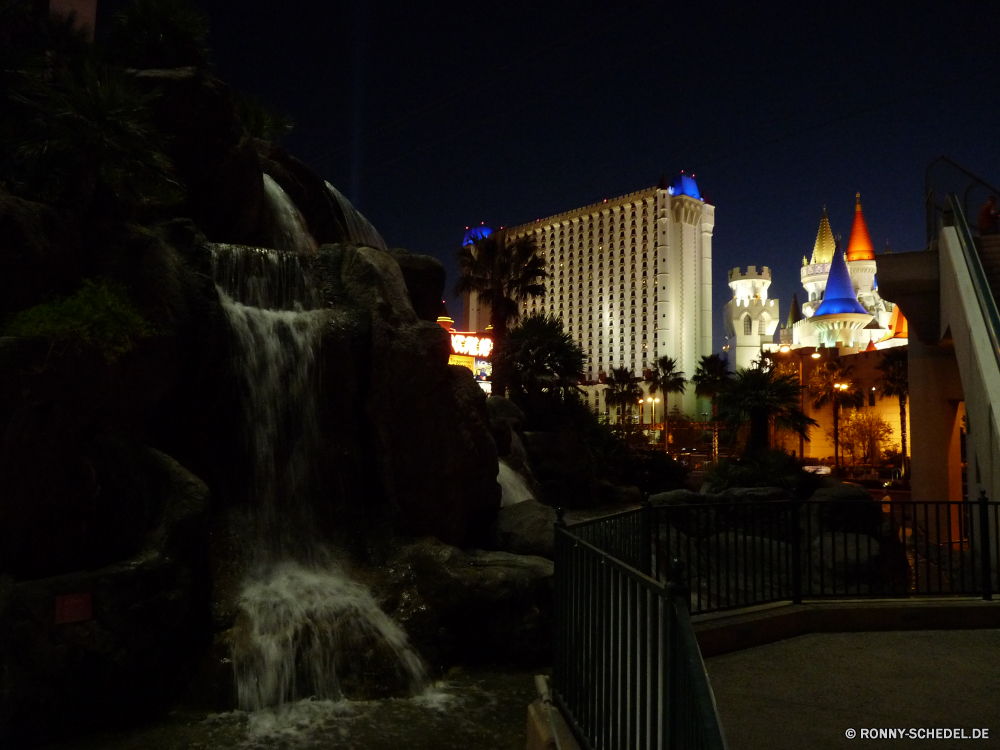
(987, 303)
(931, 207)
(628, 670)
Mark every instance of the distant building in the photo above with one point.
(630, 279)
(750, 317)
(844, 308)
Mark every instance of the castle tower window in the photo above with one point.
(747, 326)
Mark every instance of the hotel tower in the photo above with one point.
(630, 279)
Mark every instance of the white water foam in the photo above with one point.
(305, 627)
(290, 232)
(515, 489)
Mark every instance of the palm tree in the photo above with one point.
(665, 378)
(159, 34)
(622, 390)
(758, 397)
(503, 273)
(830, 384)
(895, 382)
(709, 379)
(539, 356)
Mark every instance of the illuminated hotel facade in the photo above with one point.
(630, 279)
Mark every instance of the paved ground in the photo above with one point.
(806, 692)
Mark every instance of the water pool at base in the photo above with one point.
(470, 710)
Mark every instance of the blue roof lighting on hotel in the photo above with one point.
(475, 234)
(684, 185)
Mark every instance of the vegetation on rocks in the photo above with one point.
(100, 315)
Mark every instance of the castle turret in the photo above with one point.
(840, 316)
(751, 318)
(813, 274)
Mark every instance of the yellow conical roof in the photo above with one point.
(825, 245)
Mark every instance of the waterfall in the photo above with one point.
(515, 489)
(289, 232)
(302, 620)
(306, 626)
(359, 229)
(263, 278)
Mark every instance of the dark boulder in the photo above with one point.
(424, 423)
(307, 190)
(425, 280)
(470, 607)
(214, 157)
(563, 467)
(115, 644)
(38, 258)
(526, 528)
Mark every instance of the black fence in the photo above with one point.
(744, 554)
(627, 671)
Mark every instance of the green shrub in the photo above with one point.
(100, 315)
(773, 468)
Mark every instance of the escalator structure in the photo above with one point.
(949, 294)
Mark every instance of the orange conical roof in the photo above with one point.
(898, 327)
(860, 245)
(825, 245)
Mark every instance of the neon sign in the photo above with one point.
(474, 346)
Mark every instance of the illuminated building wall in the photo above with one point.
(631, 280)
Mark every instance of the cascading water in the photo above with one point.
(359, 229)
(290, 232)
(302, 622)
(515, 489)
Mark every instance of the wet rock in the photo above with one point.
(744, 569)
(563, 467)
(679, 497)
(754, 495)
(307, 191)
(525, 528)
(424, 423)
(471, 607)
(847, 556)
(115, 644)
(612, 493)
(425, 280)
(37, 257)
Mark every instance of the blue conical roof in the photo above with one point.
(839, 297)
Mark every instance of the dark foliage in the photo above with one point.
(773, 468)
(158, 34)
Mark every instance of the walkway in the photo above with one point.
(806, 692)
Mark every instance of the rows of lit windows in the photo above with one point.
(571, 250)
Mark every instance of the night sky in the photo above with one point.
(434, 116)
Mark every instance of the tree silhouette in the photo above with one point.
(711, 377)
(539, 356)
(831, 385)
(759, 397)
(895, 383)
(622, 391)
(503, 273)
(665, 378)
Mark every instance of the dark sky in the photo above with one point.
(509, 111)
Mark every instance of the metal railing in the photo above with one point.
(746, 554)
(945, 176)
(627, 672)
(955, 216)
